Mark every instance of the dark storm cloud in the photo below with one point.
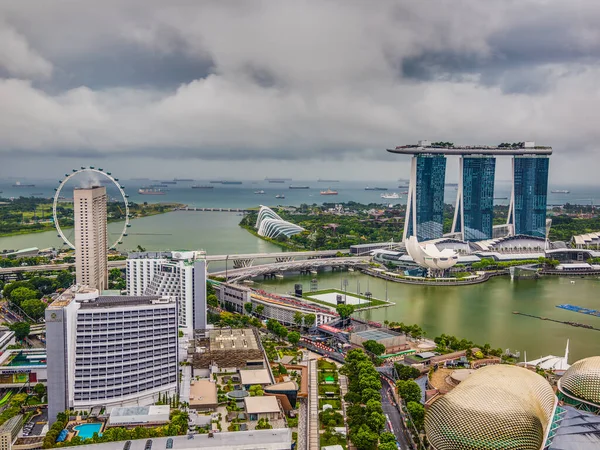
(293, 81)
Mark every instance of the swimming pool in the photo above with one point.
(87, 430)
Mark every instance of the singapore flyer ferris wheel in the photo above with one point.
(89, 170)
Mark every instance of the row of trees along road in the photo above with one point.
(366, 421)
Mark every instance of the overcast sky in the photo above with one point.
(299, 88)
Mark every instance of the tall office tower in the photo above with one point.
(425, 204)
(91, 241)
(527, 212)
(106, 351)
(474, 212)
(178, 274)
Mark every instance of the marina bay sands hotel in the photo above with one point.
(474, 211)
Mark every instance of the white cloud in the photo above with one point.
(18, 58)
(298, 80)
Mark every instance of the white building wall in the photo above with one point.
(124, 355)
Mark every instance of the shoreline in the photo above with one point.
(173, 207)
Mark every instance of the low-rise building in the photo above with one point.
(203, 395)
(135, 416)
(21, 366)
(282, 309)
(7, 338)
(260, 377)
(263, 407)
(225, 350)
(393, 342)
(9, 431)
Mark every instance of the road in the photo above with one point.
(390, 409)
(53, 267)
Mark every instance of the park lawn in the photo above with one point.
(324, 376)
(326, 365)
(329, 388)
(335, 403)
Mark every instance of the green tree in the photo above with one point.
(309, 320)
(21, 330)
(39, 389)
(260, 309)
(374, 347)
(298, 318)
(406, 372)
(345, 311)
(409, 390)
(386, 437)
(387, 446)
(115, 274)
(34, 308)
(19, 295)
(212, 300)
(364, 438)
(256, 390)
(248, 307)
(63, 280)
(293, 337)
(417, 413)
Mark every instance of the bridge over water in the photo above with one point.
(242, 273)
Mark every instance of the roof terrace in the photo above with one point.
(427, 148)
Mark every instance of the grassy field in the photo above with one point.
(368, 302)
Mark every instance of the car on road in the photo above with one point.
(148, 445)
(127, 445)
(169, 443)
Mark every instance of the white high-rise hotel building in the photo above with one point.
(106, 351)
(181, 275)
(91, 240)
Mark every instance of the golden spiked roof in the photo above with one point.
(498, 407)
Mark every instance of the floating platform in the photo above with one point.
(580, 309)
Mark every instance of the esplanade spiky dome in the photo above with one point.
(497, 407)
(582, 380)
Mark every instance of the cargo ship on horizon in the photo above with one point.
(329, 192)
(148, 191)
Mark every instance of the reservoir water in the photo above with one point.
(481, 313)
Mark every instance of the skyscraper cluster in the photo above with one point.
(474, 210)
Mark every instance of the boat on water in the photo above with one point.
(196, 186)
(560, 191)
(18, 184)
(259, 192)
(182, 179)
(299, 187)
(280, 196)
(169, 182)
(320, 180)
(375, 189)
(276, 180)
(231, 182)
(329, 192)
(391, 195)
(151, 191)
